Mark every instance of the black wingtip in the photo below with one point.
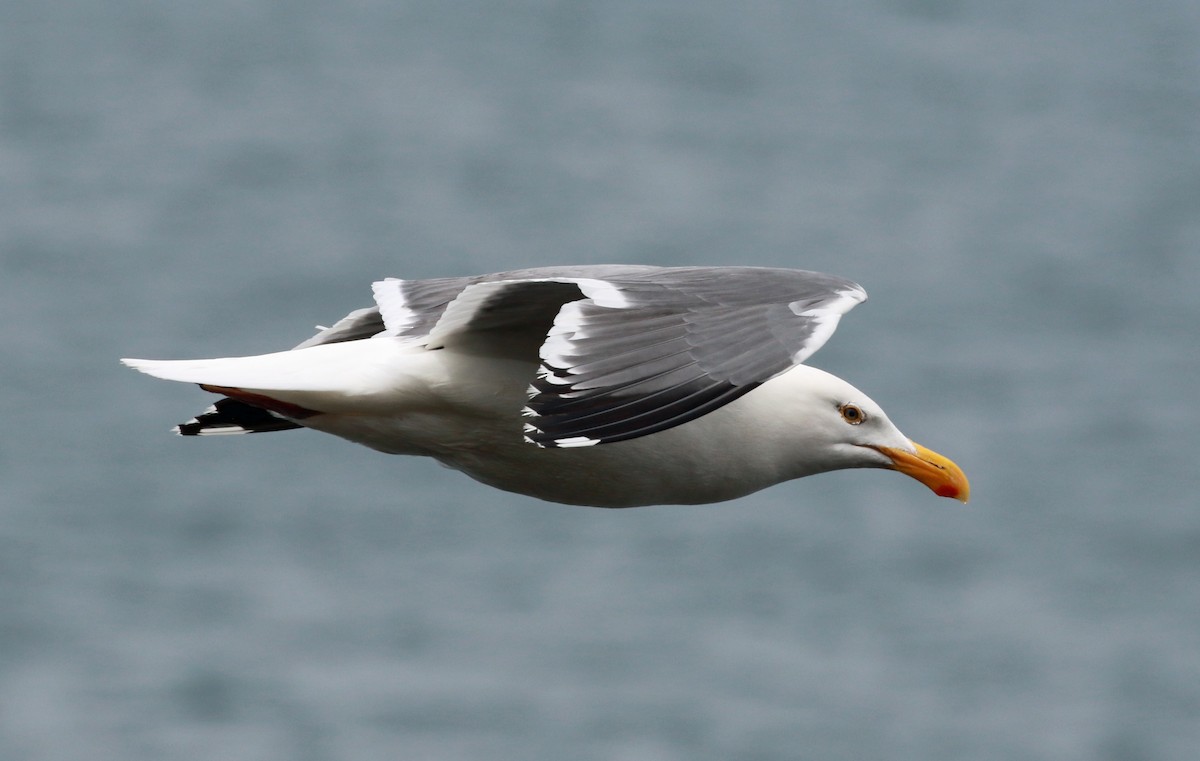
(233, 416)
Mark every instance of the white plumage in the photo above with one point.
(610, 385)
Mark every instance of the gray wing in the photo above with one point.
(686, 342)
(621, 351)
(411, 309)
(359, 324)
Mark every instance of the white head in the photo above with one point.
(833, 426)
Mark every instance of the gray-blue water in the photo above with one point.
(1017, 184)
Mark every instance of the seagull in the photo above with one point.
(600, 385)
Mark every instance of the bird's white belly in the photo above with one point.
(690, 464)
(623, 474)
(464, 411)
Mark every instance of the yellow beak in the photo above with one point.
(930, 468)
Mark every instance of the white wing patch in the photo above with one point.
(393, 306)
(560, 341)
(826, 318)
(463, 310)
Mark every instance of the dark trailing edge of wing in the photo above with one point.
(609, 417)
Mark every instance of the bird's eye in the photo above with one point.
(852, 413)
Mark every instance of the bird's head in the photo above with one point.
(844, 428)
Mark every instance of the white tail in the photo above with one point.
(339, 370)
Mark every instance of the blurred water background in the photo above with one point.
(1017, 184)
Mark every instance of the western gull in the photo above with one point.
(607, 385)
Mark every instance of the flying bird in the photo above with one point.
(608, 385)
